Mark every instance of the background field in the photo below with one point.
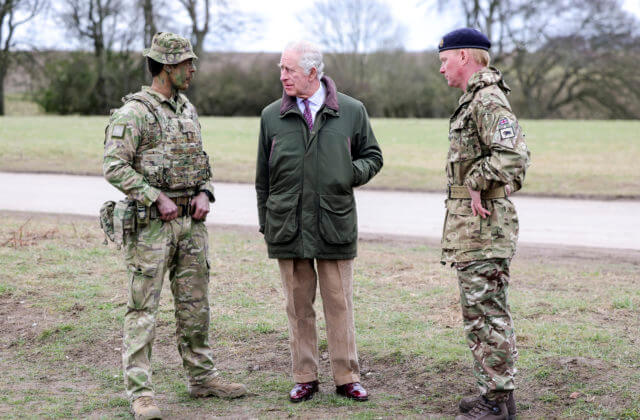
(577, 314)
(570, 158)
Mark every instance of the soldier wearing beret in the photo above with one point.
(487, 161)
(153, 153)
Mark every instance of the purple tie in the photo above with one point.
(307, 114)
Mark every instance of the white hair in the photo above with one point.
(310, 56)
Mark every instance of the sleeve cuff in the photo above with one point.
(474, 183)
(207, 188)
(210, 195)
(150, 196)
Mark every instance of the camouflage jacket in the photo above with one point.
(135, 142)
(487, 150)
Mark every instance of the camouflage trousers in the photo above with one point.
(487, 324)
(181, 248)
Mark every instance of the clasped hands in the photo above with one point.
(199, 207)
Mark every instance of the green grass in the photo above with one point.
(63, 297)
(16, 104)
(569, 158)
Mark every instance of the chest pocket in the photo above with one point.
(151, 135)
(464, 143)
(188, 129)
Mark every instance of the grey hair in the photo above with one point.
(310, 56)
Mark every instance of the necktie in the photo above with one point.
(307, 114)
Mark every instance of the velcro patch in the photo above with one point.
(507, 133)
(504, 121)
(118, 130)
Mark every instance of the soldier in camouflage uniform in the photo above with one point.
(153, 153)
(487, 161)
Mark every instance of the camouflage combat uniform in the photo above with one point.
(153, 144)
(487, 151)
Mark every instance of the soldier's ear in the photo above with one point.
(464, 56)
(167, 68)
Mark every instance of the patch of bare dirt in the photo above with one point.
(20, 322)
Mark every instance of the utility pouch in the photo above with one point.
(124, 220)
(106, 220)
(142, 215)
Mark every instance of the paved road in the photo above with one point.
(603, 224)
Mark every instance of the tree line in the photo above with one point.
(562, 58)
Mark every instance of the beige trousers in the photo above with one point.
(299, 280)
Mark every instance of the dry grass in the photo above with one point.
(62, 298)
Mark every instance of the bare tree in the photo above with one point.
(217, 19)
(95, 22)
(149, 15)
(13, 13)
(104, 25)
(565, 55)
(353, 30)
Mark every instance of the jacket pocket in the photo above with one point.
(338, 219)
(464, 143)
(281, 223)
(463, 230)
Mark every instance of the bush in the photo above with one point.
(73, 84)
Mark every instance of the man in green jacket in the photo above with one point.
(487, 160)
(315, 146)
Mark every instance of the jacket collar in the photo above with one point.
(482, 78)
(330, 101)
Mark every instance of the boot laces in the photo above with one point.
(146, 402)
(484, 406)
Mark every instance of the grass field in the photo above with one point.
(570, 158)
(63, 294)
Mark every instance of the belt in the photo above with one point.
(460, 191)
(183, 203)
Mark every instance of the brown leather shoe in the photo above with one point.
(303, 391)
(354, 390)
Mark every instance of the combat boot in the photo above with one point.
(217, 387)
(467, 403)
(144, 408)
(485, 409)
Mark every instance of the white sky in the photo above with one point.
(425, 26)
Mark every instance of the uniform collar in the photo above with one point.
(482, 78)
(176, 103)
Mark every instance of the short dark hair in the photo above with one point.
(154, 67)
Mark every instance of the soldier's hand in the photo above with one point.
(476, 204)
(167, 208)
(200, 206)
(507, 190)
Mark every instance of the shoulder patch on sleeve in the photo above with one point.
(118, 130)
(507, 133)
(505, 136)
(504, 121)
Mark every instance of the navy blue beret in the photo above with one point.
(464, 38)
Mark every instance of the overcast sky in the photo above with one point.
(425, 26)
